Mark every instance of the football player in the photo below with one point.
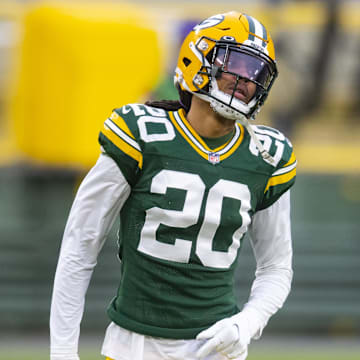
(188, 179)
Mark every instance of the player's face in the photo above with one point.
(244, 89)
(239, 72)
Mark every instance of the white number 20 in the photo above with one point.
(180, 250)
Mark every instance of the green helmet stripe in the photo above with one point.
(254, 28)
(251, 27)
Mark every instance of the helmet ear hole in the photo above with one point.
(186, 61)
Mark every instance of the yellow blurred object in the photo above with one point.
(328, 158)
(78, 62)
(10, 16)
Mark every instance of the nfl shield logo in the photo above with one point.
(214, 158)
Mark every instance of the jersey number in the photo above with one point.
(266, 138)
(189, 215)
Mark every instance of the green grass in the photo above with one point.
(272, 355)
(276, 348)
(305, 356)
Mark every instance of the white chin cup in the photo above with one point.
(238, 109)
(225, 110)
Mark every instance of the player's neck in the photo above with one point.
(206, 122)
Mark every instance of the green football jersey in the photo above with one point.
(181, 227)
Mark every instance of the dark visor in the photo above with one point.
(245, 65)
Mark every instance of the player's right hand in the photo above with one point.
(225, 337)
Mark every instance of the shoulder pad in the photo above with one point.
(274, 142)
(137, 110)
(283, 172)
(119, 137)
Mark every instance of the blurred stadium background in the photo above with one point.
(65, 64)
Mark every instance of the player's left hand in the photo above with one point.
(229, 337)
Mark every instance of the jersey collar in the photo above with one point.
(197, 143)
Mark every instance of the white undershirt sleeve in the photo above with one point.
(270, 236)
(96, 205)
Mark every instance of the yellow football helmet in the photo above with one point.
(232, 43)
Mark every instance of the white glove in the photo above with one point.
(230, 336)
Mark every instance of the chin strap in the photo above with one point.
(265, 155)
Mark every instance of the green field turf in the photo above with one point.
(268, 348)
(272, 355)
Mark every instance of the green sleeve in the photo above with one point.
(119, 139)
